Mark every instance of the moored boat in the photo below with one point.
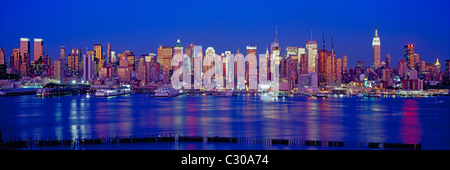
(166, 91)
(112, 92)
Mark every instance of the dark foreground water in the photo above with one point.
(387, 119)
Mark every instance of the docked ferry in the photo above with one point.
(112, 92)
(166, 91)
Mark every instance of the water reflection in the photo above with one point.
(399, 120)
(410, 127)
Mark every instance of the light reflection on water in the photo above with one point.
(393, 120)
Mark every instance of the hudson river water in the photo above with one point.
(386, 119)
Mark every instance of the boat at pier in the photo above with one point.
(372, 95)
(166, 91)
(112, 92)
(321, 95)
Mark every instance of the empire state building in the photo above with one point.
(376, 52)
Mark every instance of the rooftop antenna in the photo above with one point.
(311, 33)
(276, 33)
(332, 46)
(323, 39)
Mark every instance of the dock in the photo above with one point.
(18, 92)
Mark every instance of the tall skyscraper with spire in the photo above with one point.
(376, 50)
(275, 55)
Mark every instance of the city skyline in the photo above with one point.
(352, 34)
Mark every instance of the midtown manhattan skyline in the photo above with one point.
(150, 25)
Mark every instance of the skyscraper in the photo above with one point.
(322, 66)
(17, 59)
(142, 73)
(165, 60)
(291, 62)
(198, 66)
(311, 53)
(388, 61)
(3, 65)
(402, 68)
(58, 72)
(62, 55)
(251, 71)
(338, 71)
(123, 71)
(416, 59)
(38, 48)
(189, 51)
(131, 58)
(409, 56)
(376, 51)
(113, 57)
(345, 63)
(74, 63)
(24, 47)
(108, 54)
(275, 56)
(2, 57)
(25, 63)
(98, 54)
(25, 67)
(178, 49)
(208, 62)
(262, 70)
(301, 52)
(88, 68)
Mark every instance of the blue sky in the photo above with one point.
(140, 26)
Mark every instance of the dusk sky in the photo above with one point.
(140, 26)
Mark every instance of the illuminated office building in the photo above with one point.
(409, 55)
(312, 54)
(376, 51)
(38, 49)
(98, 54)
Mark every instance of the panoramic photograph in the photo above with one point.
(245, 76)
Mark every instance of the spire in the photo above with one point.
(276, 33)
(323, 39)
(178, 43)
(332, 45)
(376, 31)
(437, 62)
